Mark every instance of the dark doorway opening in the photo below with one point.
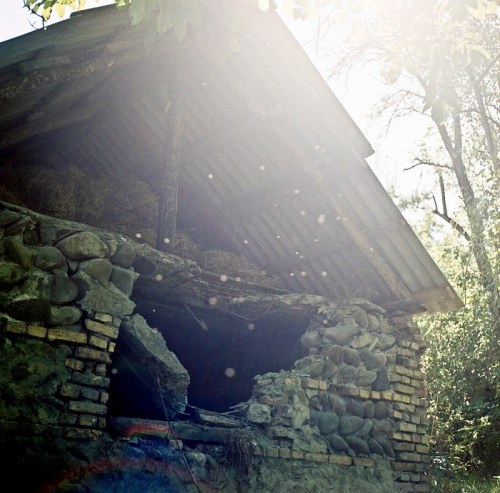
(221, 352)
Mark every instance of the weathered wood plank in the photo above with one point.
(128, 427)
(171, 160)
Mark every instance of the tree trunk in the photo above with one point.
(488, 133)
(477, 237)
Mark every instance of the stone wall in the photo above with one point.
(358, 394)
(65, 292)
(352, 410)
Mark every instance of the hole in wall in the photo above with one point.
(222, 354)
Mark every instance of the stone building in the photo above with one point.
(203, 286)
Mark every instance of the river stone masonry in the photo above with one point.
(64, 294)
(355, 400)
(356, 395)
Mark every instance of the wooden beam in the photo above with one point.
(183, 430)
(13, 88)
(40, 124)
(171, 158)
(439, 299)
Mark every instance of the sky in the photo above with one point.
(394, 149)
(16, 20)
(395, 145)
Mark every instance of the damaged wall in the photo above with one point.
(358, 391)
(348, 416)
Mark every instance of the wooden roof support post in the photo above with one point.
(170, 158)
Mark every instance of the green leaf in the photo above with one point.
(298, 13)
(492, 7)
(46, 13)
(287, 7)
(479, 12)
(476, 55)
(60, 9)
(166, 18)
(177, 15)
(137, 11)
(448, 94)
(191, 13)
(440, 111)
(180, 29)
(481, 50)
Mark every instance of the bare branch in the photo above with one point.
(496, 108)
(443, 195)
(457, 126)
(421, 162)
(453, 224)
(487, 69)
(445, 137)
(435, 203)
(36, 14)
(444, 215)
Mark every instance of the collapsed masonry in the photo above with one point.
(346, 413)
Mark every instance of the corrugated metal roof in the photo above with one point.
(270, 159)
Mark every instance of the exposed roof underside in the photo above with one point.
(271, 164)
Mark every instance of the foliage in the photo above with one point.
(238, 453)
(169, 14)
(174, 15)
(463, 370)
(466, 484)
(441, 58)
(46, 8)
(462, 365)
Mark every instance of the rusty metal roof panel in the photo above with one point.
(270, 158)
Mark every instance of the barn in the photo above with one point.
(203, 285)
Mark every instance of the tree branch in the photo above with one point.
(444, 215)
(457, 127)
(475, 219)
(487, 69)
(421, 162)
(488, 134)
(443, 194)
(35, 13)
(445, 137)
